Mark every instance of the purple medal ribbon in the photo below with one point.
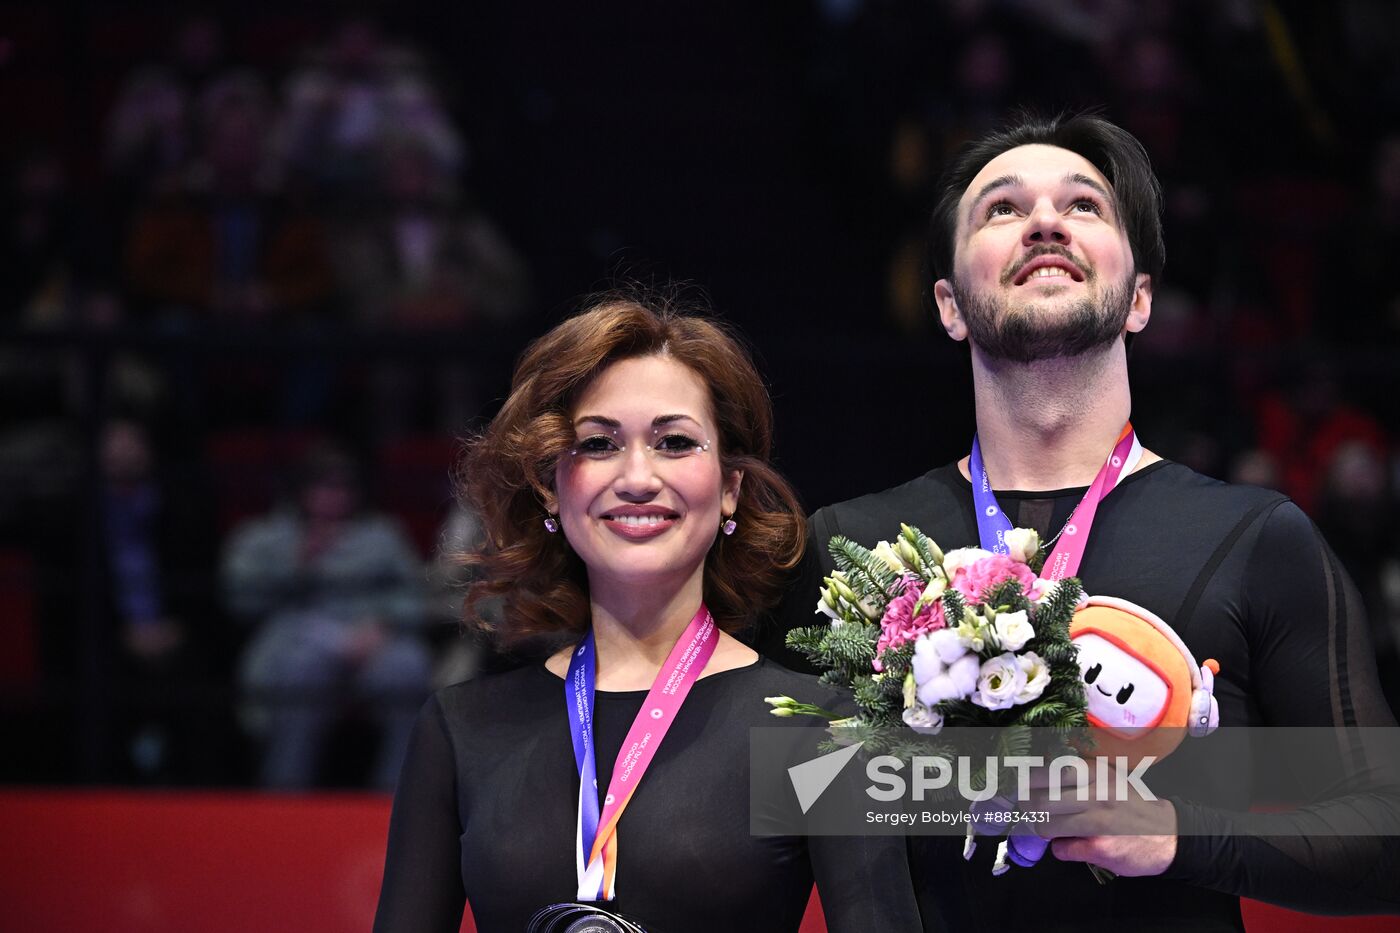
(578, 692)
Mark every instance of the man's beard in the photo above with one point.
(1034, 332)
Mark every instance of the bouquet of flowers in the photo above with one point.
(924, 639)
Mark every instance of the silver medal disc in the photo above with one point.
(579, 918)
(594, 923)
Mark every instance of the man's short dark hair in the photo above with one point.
(1111, 149)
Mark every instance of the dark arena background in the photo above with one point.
(251, 249)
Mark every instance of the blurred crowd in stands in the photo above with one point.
(250, 310)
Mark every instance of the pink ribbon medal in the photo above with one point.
(596, 841)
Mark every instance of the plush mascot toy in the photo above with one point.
(1144, 693)
(1144, 690)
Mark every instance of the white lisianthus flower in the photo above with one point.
(972, 633)
(999, 681)
(946, 644)
(923, 720)
(933, 591)
(1013, 630)
(827, 610)
(911, 687)
(886, 552)
(1022, 544)
(961, 557)
(1037, 676)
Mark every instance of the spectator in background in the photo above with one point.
(1303, 426)
(151, 134)
(38, 239)
(337, 595)
(226, 243)
(132, 501)
(159, 573)
(349, 100)
(418, 256)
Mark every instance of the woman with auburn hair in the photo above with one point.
(633, 522)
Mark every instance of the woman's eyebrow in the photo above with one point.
(660, 420)
(614, 424)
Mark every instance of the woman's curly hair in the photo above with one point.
(507, 472)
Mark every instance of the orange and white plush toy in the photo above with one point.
(1144, 693)
(1144, 689)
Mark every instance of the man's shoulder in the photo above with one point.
(1170, 480)
(924, 501)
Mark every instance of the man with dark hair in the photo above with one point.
(1045, 245)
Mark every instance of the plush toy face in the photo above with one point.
(1123, 692)
(1136, 681)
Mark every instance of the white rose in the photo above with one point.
(1013, 630)
(923, 720)
(998, 682)
(1021, 544)
(1037, 676)
(886, 552)
(961, 557)
(946, 644)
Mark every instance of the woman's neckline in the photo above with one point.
(756, 663)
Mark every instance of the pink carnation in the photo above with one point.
(980, 577)
(900, 625)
